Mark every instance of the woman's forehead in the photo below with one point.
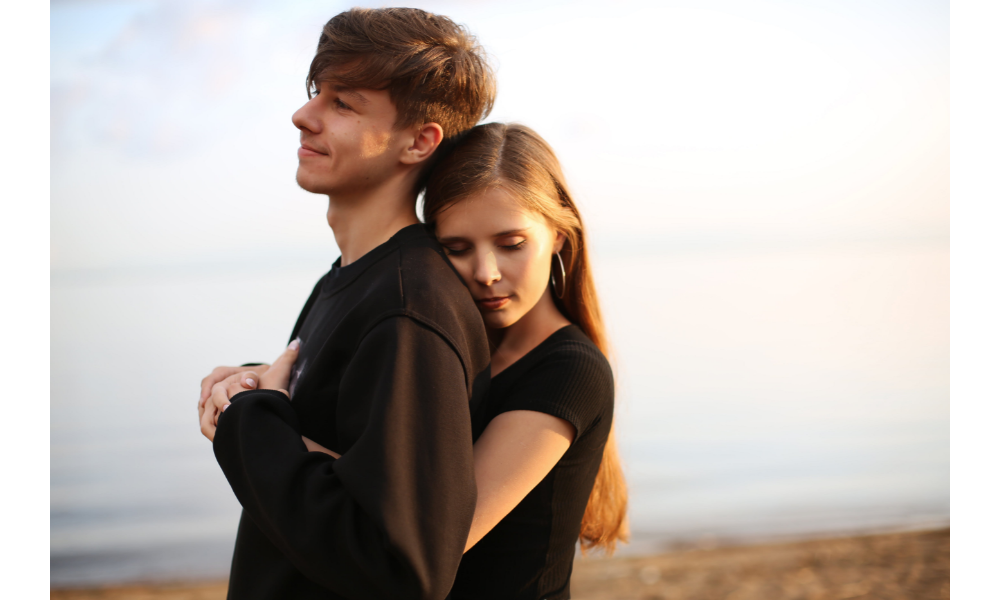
(490, 213)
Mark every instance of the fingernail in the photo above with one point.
(250, 382)
(294, 345)
(224, 408)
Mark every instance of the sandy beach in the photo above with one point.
(899, 566)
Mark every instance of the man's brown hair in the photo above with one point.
(434, 69)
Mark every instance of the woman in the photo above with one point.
(546, 464)
(547, 468)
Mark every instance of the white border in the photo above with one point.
(24, 333)
(975, 296)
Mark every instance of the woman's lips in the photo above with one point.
(495, 303)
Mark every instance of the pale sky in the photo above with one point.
(698, 122)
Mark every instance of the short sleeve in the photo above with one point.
(573, 382)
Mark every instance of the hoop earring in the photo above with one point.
(562, 268)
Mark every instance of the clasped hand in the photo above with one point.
(225, 382)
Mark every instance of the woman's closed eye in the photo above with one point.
(513, 244)
(508, 244)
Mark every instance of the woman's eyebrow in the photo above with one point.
(450, 240)
(511, 232)
(457, 238)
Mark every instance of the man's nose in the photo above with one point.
(306, 119)
(486, 271)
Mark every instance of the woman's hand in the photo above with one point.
(274, 377)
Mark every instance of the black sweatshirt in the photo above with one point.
(393, 362)
(529, 554)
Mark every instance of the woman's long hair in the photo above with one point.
(517, 159)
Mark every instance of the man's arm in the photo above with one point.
(389, 519)
(515, 452)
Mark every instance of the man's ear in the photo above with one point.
(426, 139)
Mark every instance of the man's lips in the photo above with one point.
(306, 151)
(494, 303)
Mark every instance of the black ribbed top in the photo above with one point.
(529, 554)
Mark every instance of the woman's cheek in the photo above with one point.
(464, 268)
(541, 272)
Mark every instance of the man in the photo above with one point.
(393, 354)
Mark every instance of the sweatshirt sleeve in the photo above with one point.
(389, 519)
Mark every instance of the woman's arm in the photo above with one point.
(514, 454)
(314, 447)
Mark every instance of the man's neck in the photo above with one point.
(361, 224)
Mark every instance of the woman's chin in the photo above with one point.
(497, 319)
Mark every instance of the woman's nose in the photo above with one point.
(486, 271)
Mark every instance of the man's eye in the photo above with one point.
(340, 104)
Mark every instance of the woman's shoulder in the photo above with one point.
(566, 376)
(570, 349)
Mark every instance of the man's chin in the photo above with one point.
(310, 184)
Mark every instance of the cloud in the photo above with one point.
(154, 86)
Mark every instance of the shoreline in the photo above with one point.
(901, 565)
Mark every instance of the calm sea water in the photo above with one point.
(763, 393)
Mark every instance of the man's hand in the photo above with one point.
(221, 393)
(219, 374)
(274, 377)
